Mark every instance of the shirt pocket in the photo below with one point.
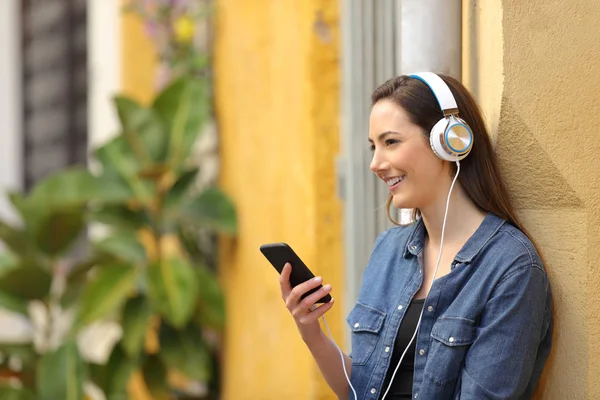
(365, 323)
(451, 339)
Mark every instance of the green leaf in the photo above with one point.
(116, 189)
(184, 106)
(78, 276)
(30, 213)
(12, 393)
(212, 209)
(19, 203)
(119, 216)
(79, 271)
(14, 238)
(173, 289)
(60, 374)
(135, 321)
(97, 374)
(59, 230)
(143, 130)
(26, 281)
(120, 172)
(211, 305)
(123, 245)
(154, 372)
(53, 212)
(118, 371)
(13, 303)
(176, 195)
(186, 352)
(105, 293)
(72, 295)
(8, 262)
(68, 188)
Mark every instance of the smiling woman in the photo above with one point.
(462, 290)
(403, 158)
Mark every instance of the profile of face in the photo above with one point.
(403, 159)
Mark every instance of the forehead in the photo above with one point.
(386, 115)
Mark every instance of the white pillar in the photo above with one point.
(104, 65)
(430, 36)
(11, 109)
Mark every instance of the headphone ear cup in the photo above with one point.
(436, 140)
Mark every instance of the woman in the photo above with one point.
(462, 289)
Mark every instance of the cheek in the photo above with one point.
(426, 173)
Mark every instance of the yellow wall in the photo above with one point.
(138, 57)
(277, 88)
(533, 66)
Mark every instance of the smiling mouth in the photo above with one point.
(394, 182)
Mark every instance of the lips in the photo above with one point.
(392, 182)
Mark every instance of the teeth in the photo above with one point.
(393, 181)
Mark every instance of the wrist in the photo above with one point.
(311, 333)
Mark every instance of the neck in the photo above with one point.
(463, 218)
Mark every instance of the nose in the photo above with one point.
(378, 163)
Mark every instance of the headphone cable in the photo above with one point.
(420, 316)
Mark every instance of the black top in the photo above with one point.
(402, 385)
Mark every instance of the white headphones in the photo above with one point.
(451, 138)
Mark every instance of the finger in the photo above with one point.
(310, 300)
(302, 288)
(284, 280)
(317, 313)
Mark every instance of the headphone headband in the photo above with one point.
(440, 90)
(451, 138)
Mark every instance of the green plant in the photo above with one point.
(140, 274)
(148, 164)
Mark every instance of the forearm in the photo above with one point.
(328, 359)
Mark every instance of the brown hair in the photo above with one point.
(480, 175)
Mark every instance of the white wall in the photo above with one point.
(104, 64)
(104, 68)
(10, 103)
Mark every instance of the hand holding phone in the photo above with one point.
(279, 254)
(299, 288)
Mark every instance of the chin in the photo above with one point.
(401, 202)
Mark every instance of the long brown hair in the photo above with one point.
(479, 175)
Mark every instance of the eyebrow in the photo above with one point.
(384, 134)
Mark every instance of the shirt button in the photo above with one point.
(400, 307)
(373, 391)
(451, 340)
(422, 352)
(413, 247)
(430, 309)
(416, 395)
(387, 349)
(356, 325)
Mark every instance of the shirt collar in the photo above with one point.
(486, 230)
(416, 239)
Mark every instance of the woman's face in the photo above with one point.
(403, 159)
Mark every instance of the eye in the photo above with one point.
(390, 142)
(372, 147)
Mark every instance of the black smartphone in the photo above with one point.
(280, 253)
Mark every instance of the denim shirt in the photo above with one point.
(486, 329)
